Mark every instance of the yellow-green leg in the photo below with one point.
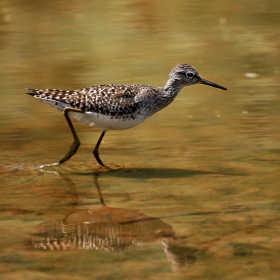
(75, 145)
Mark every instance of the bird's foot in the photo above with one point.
(108, 167)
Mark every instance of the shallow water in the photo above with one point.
(197, 193)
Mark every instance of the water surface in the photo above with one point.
(197, 196)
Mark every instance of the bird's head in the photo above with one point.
(187, 75)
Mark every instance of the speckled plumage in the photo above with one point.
(119, 106)
(119, 103)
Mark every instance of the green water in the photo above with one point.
(198, 193)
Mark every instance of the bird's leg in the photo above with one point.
(95, 178)
(75, 145)
(95, 151)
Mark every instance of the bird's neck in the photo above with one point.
(168, 94)
(173, 87)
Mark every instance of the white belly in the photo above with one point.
(95, 119)
(107, 122)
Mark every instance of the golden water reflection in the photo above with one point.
(109, 228)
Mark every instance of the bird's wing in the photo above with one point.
(105, 99)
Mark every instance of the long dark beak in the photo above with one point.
(208, 83)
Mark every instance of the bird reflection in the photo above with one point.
(109, 228)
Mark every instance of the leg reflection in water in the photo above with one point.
(109, 228)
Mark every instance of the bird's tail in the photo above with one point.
(32, 91)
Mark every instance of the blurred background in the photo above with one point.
(206, 167)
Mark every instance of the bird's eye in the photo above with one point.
(189, 74)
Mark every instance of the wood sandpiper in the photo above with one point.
(117, 106)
